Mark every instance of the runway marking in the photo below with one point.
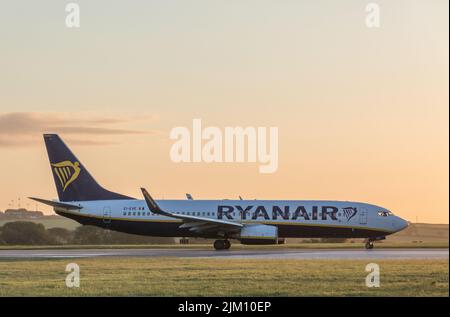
(344, 254)
(27, 255)
(310, 254)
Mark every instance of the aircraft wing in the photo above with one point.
(193, 223)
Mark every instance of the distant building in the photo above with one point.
(22, 213)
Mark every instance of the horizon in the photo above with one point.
(52, 213)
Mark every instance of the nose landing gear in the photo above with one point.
(222, 244)
(369, 244)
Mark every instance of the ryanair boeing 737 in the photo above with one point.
(250, 221)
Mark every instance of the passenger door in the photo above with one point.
(107, 215)
(362, 216)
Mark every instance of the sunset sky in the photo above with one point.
(362, 112)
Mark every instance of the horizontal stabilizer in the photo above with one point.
(56, 203)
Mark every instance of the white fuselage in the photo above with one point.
(294, 218)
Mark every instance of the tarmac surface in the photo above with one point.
(296, 254)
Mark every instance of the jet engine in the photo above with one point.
(259, 234)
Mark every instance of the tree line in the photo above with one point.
(30, 233)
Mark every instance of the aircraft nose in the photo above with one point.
(401, 224)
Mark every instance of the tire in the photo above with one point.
(227, 244)
(219, 244)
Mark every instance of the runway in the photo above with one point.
(304, 254)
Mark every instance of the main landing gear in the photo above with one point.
(222, 244)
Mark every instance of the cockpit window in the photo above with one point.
(384, 213)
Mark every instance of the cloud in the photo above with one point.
(84, 128)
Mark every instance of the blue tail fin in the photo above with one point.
(72, 179)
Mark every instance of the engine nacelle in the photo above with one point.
(259, 234)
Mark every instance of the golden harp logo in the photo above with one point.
(67, 172)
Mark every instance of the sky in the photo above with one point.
(362, 112)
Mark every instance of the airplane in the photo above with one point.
(82, 199)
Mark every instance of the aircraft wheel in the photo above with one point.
(369, 245)
(227, 244)
(219, 244)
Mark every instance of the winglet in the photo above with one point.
(152, 205)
